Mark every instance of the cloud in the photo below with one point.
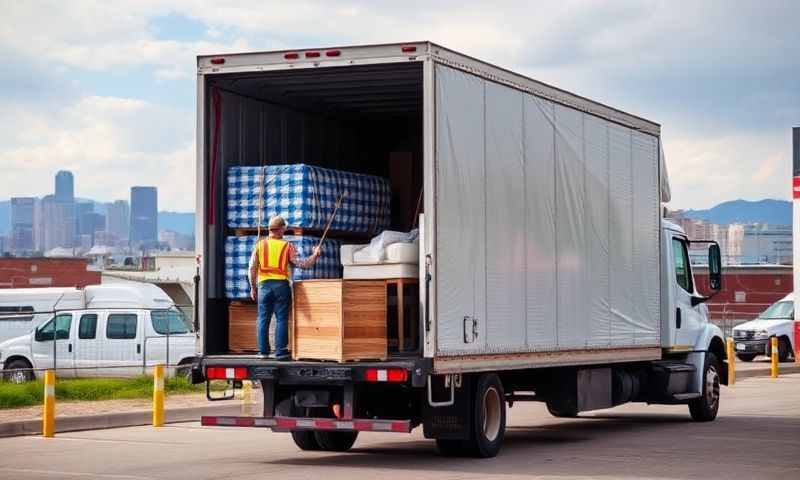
(109, 144)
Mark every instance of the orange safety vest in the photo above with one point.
(273, 259)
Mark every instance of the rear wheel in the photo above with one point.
(489, 417)
(335, 441)
(746, 357)
(705, 408)
(561, 413)
(784, 349)
(305, 440)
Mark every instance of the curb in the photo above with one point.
(783, 369)
(115, 420)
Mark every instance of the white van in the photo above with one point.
(111, 331)
(753, 338)
(22, 309)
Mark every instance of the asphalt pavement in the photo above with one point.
(757, 435)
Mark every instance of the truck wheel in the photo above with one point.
(783, 349)
(554, 411)
(488, 417)
(18, 372)
(305, 440)
(746, 357)
(704, 409)
(449, 448)
(335, 441)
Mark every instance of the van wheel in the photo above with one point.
(746, 357)
(488, 417)
(305, 440)
(784, 348)
(705, 408)
(335, 441)
(18, 371)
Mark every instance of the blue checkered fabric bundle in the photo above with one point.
(239, 249)
(305, 196)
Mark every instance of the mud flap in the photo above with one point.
(451, 422)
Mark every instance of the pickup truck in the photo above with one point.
(753, 338)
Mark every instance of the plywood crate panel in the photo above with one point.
(340, 320)
(242, 327)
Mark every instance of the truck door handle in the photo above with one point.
(69, 348)
(677, 318)
(138, 348)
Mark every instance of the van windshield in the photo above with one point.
(170, 322)
(779, 310)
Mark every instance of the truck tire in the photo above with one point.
(746, 357)
(305, 440)
(18, 372)
(705, 408)
(335, 441)
(784, 348)
(449, 448)
(554, 411)
(488, 417)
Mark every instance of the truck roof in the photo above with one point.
(398, 52)
(134, 295)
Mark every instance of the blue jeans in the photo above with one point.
(274, 296)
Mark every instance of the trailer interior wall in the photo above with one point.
(350, 118)
(547, 230)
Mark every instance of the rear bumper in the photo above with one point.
(288, 424)
(313, 373)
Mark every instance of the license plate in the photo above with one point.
(741, 346)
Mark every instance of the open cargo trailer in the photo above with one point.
(541, 249)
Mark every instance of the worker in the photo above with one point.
(269, 285)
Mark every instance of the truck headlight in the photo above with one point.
(762, 334)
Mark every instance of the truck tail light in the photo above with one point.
(217, 61)
(226, 373)
(408, 49)
(312, 54)
(333, 53)
(291, 56)
(392, 375)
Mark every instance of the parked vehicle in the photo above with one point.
(547, 272)
(22, 309)
(104, 330)
(753, 338)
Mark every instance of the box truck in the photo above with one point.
(546, 269)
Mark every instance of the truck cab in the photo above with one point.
(753, 338)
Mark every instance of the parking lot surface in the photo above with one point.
(757, 435)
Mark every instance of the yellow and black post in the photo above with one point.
(731, 362)
(158, 396)
(774, 357)
(49, 413)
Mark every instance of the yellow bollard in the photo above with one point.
(774, 357)
(731, 362)
(49, 413)
(158, 396)
(247, 397)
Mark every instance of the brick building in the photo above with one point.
(46, 272)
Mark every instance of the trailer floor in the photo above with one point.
(756, 436)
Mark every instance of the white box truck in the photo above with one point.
(547, 272)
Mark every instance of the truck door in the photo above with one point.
(687, 319)
(87, 345)
(43, 350)
(122, 345)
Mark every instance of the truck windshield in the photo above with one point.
(169, 321)
(780, 310)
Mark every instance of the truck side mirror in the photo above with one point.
(714, 268)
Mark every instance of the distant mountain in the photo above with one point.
(178, 221)
(776, 212)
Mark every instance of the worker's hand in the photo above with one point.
(317, 252)
(253, 294)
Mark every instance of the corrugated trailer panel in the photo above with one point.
(570, 224)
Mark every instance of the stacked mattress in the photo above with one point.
(396, 260)
(239, 249)
(305, 197)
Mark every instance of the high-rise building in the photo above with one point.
(22, 225)
(118, 218)
(65, 187)
(144, 216)
(58, 223)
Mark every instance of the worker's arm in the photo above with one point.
(307, 262)
(253, 274)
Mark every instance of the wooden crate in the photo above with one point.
(242, 327)
(340, 320)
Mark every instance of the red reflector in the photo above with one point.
(326, 424)
(362, 425)
(223, 373)
(397, 375)
(208, 421)
(245, 421)
(333, 53)
(217, 61)
(399, 427)
(285, 423)
(312, 54)
(409, 49)
(291, 56)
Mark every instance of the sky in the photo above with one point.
(106, 89)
